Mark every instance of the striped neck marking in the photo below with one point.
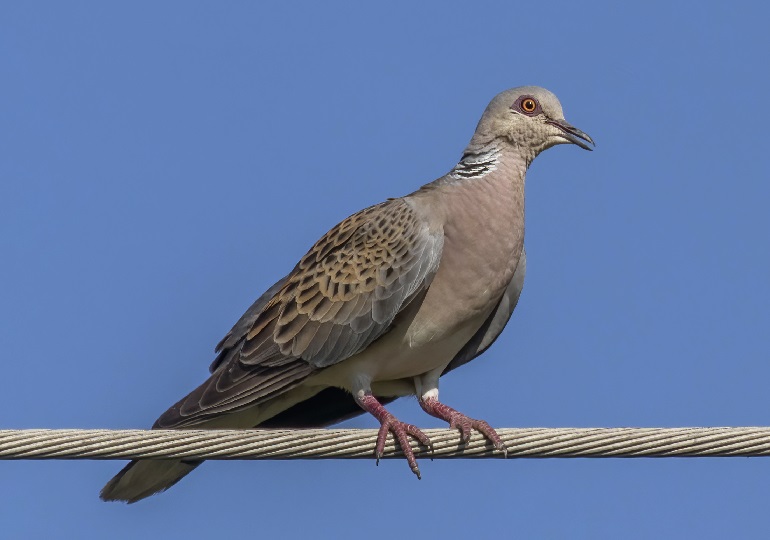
(477, 164)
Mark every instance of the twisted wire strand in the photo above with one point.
(359, 443)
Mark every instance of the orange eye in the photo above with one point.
(528, 105)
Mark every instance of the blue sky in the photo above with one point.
(162, 164)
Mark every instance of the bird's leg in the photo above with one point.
(430, 404)
(390, 424)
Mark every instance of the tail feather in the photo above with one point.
(140, 479)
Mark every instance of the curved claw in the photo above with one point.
(463, 423)
(485, 429)
(400, 431)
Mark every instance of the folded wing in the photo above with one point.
(342, 295)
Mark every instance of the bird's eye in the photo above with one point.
(528, 105)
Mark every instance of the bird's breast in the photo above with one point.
(483, 232)
(483, 240)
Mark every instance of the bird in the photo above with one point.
(383, 305)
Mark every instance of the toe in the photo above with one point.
(485, 429)
(382, 436)
(419, 435)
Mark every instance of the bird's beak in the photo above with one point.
(573, 134)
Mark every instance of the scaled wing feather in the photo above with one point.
(342, 295)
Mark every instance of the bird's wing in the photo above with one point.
(333, 405)
(227, 346)
(344, 294)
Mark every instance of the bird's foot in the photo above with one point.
(400, 431)
(463, 423)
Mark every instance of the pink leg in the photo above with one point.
(434, 407)
(400, 430)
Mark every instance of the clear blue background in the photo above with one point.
(163, 163)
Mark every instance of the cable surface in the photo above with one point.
(359, 443)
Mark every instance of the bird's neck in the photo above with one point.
(493, 167)
(477, 162)
(495, 158)
(487, 182)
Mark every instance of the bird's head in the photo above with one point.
(530, 118)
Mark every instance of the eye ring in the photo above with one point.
(528, 105)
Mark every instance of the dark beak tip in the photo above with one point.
(581, 139)
(574, 135)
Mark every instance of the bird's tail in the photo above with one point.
(140, 479)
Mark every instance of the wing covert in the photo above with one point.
(342, 295)
(346, 291)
